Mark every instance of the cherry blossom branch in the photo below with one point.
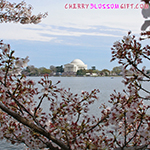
(7, 69)
(38, 105)
(67, 140)
(17, 86)
(33, 126)
(145, 98)
(143, 147)
(18, 104)
(145, 56)
(143, 89)
(101, 121)
(12, 12)
(21, 106)
(144, 80)
(131, 62)
(136, 131)
(125, 127)
(118, 144)
(78, 117)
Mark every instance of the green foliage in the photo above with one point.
(60, 69)
(53, 68)
(81, 72)
(117, 70)
(93, 68)
(33, 71)
(105, 72)
(44, 70)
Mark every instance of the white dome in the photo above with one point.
(74, 66)
(78, 62)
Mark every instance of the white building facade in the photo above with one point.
(74, 66)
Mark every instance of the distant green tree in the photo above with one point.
(93, 68)
(90, 71)
(60, 69)
(44, 70)
(53, 68)
(105, 72)
(31, 71)
(81, 72)
(117, 70)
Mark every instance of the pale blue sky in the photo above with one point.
(66, 34)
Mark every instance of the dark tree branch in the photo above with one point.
(131, 62)
(101, 121)
(38, 105)
(33, 126)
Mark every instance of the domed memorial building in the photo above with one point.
(74, 66)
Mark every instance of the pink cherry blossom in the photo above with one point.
(127, 39)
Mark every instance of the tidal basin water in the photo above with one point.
(106, 85)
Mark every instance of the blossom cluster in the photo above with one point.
(24, 121)
(129, 114)
(17, 95)
(68, 124)
(12, 12)
(130, 55)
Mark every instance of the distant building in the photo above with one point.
(91, 74)
(74, 66)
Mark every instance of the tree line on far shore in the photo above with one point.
(59, 70)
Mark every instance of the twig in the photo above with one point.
(38, 105)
